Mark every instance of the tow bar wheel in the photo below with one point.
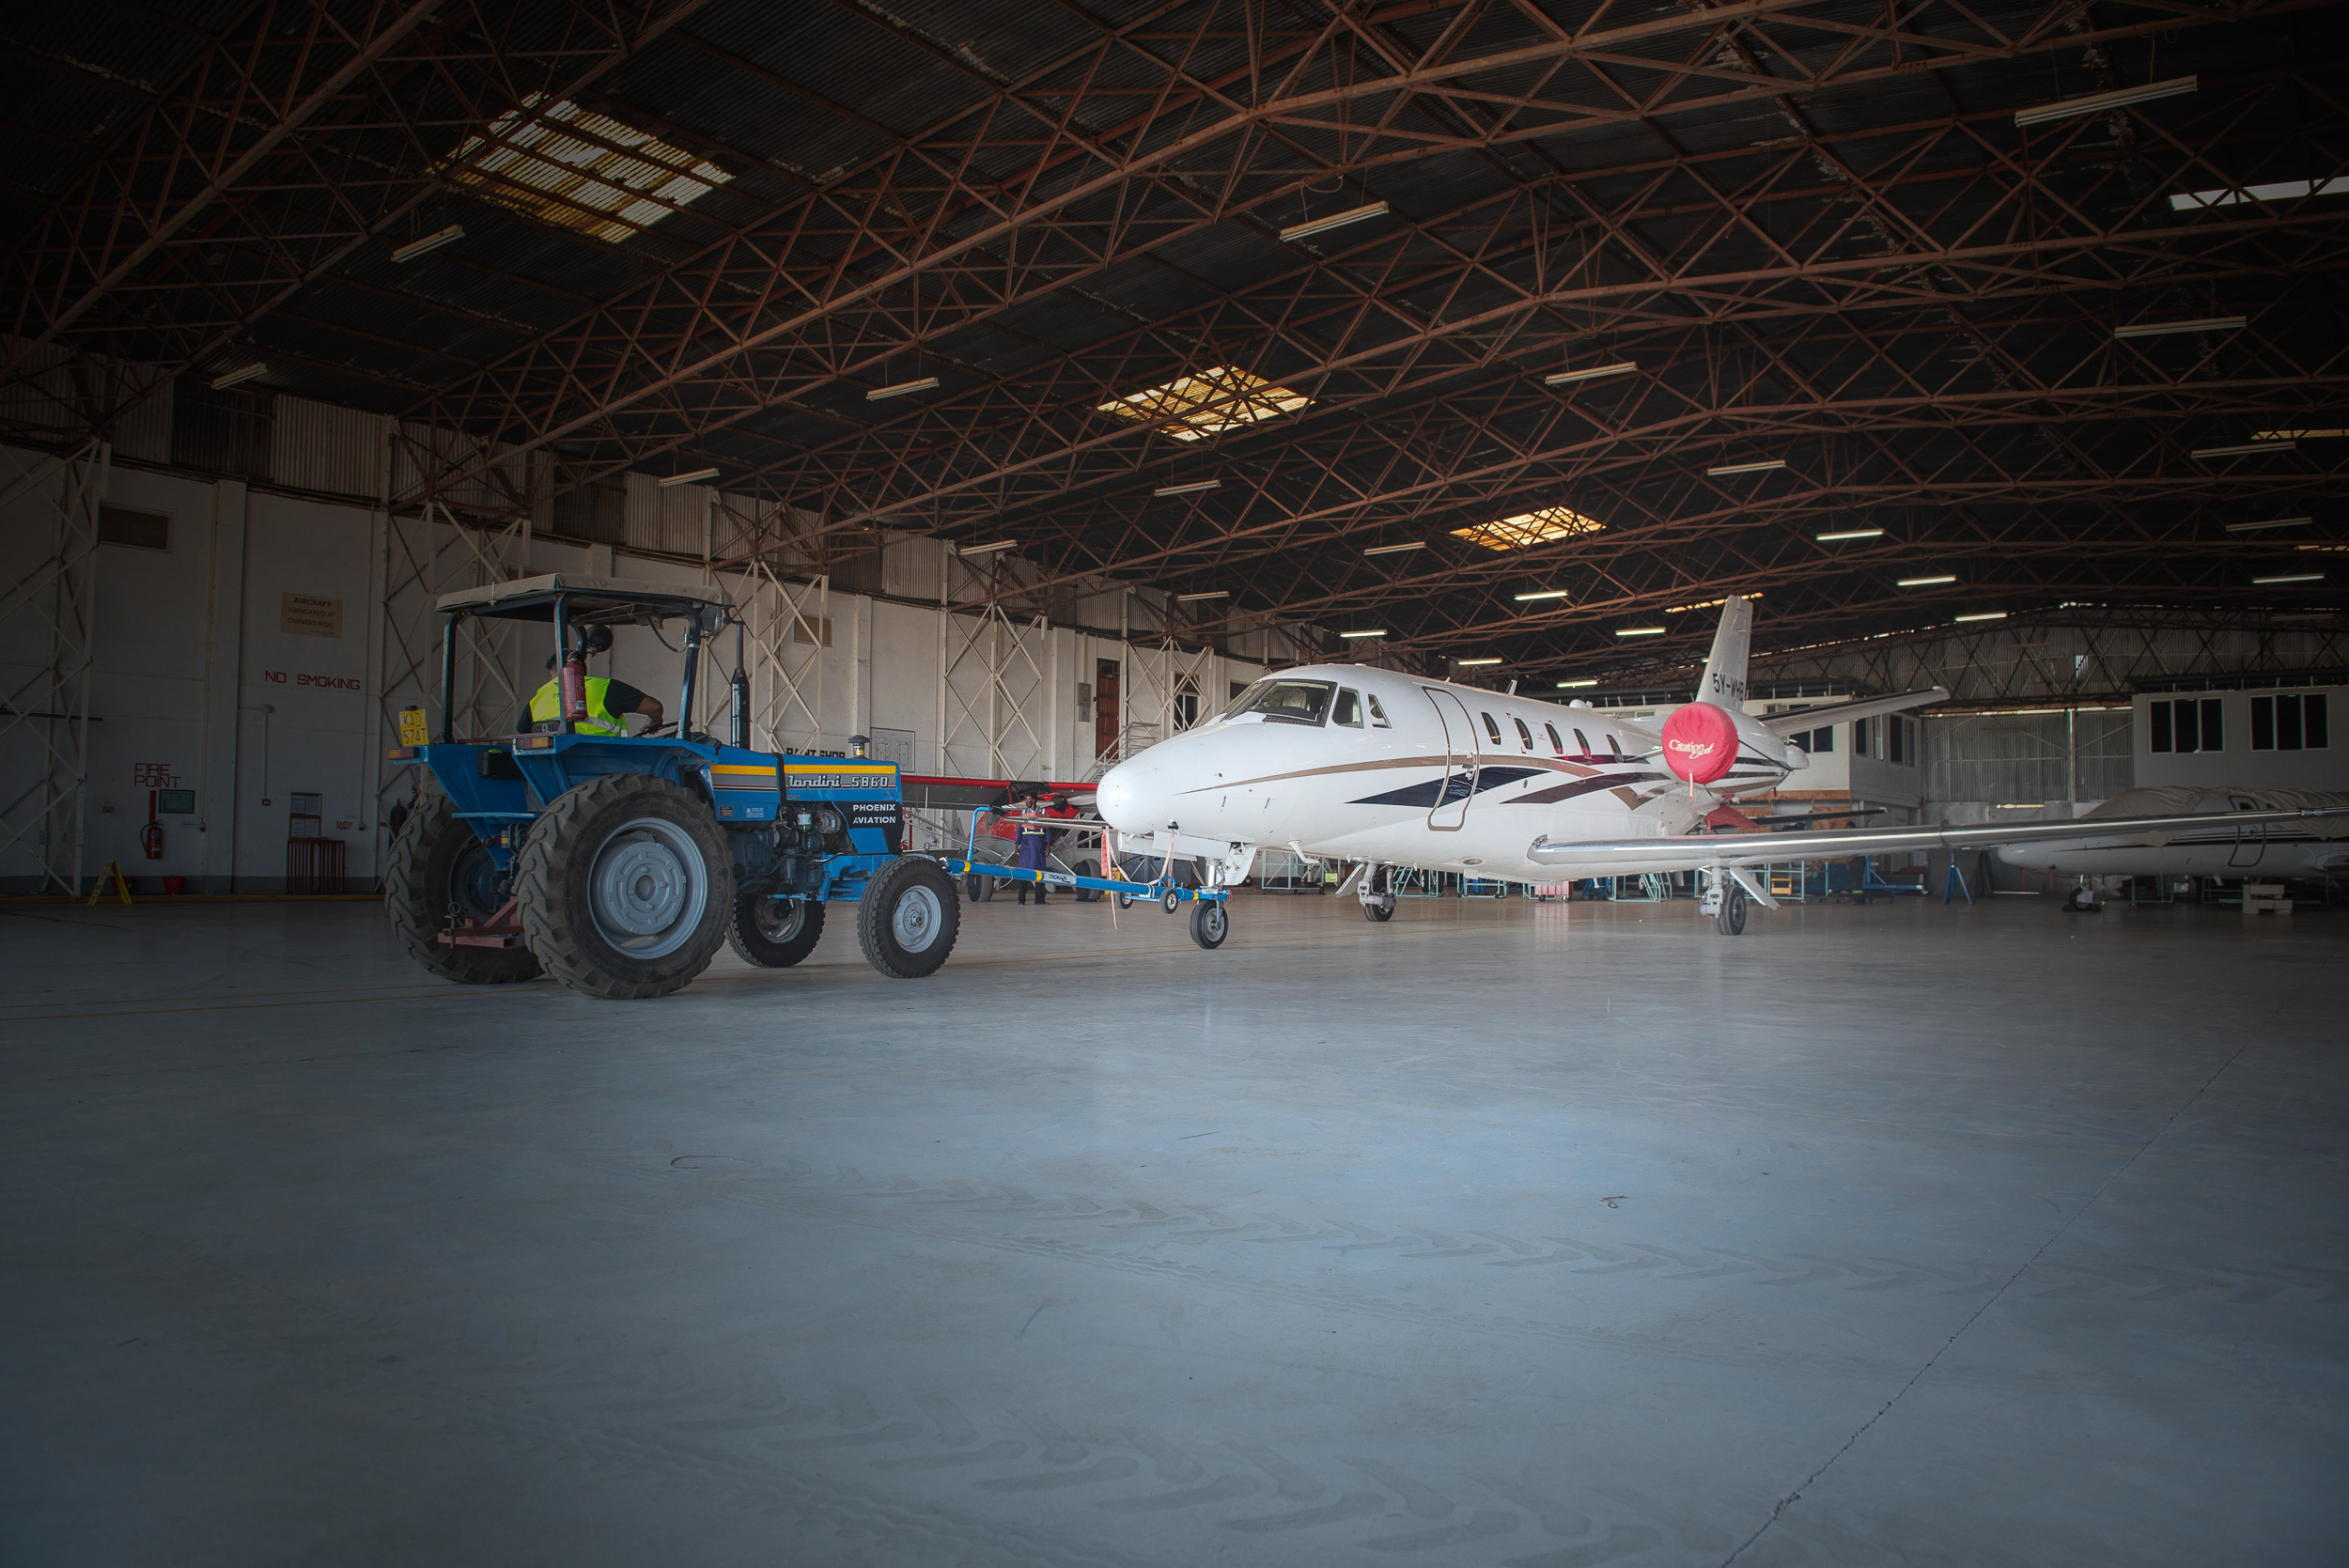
(626, 886)
(1210, 922)
(908, 918)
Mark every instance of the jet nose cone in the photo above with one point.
(1127, 798)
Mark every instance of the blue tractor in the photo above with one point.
(619, 863)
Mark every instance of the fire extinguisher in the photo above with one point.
(574, 687)
(151, 836)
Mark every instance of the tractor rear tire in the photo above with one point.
(773, 933)
(626, 887)
(439, 863)
(907, 920)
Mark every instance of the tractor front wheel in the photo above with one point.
(908, 919)
(439, 867)
(626, 886)
(774, 933)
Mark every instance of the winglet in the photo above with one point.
(1724, 680)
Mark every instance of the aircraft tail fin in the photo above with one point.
(1724, 682)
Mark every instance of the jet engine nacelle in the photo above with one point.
(1700, 742)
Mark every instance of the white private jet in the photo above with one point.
(2226, 840)
(1344, 761)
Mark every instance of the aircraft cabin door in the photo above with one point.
(1449, 815)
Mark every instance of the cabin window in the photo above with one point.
(1523, 733)
(1348, 710)
(1492, 727)
(2291, 723)
(1378, 714)
(1555, 744)
(1288, 702)
(1614, 746)
(1581, 744)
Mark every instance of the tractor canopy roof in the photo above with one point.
(587, 598)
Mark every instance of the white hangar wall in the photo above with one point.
(263, 648)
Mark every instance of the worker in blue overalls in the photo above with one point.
(1034, 838)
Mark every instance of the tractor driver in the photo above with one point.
(609, 701)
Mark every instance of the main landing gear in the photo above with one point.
(1725, 901)
(1378, 893)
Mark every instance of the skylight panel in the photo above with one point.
(610, 181)
(1530, 528)
(1209, 403)
(2285, 190)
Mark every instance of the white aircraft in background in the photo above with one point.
(2224, 839)
(1346, 762)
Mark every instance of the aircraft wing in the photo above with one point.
(1618, 857)
(1860, 707)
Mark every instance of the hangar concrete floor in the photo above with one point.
(1500, 1234)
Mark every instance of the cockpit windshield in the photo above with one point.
(1287, 702)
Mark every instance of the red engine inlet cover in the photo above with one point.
(1700, 742)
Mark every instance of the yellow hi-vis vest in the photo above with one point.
(546, 703)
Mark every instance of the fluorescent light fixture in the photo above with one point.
(1575, 685)
(415, 248)
(2282, 190)
(1982, 616)
(1542, 594)
(2164, 329)
(1850, 533)
(1395, 549)
(2290, 577)
(2096, 103)
(245, 373)
(1639, 631)
(1707, 604)
(1925, 582)
(1727, 469)
(2251, 449)
(668, 479)
(2272, 523)
(1589, 373)
(874, 395)
(1195, 599)
(1191, 489)
(1336, 220)
(1361, 635)
(2019, 805)
(986, 550)
(1464, 663)
(2298, 435)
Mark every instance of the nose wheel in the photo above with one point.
(1210, 922)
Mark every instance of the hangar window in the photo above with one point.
(2291, 723)
(1349, 711)
(1378, 714)
(1817, 742)
(1492, 727)
(568, 165)
(1555, 744)
(1208, 403)
(1530, 528)
(119, 525)
(2186, 724)
(1523, 733)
